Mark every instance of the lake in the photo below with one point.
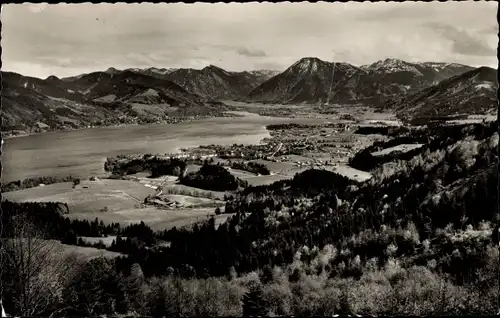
(83, 152)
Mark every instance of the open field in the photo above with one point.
(351, 173)
(84, 253)
(173, 187)
(247, 106)
(278, 167)
(189, 201)
(121, 201)
(89, 196)
(264, 180)
(242, 174)
(157, 219)
(402, 147)
(192, 168)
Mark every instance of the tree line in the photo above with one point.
(310, 244)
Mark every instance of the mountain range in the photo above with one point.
(473, 92)
(115, 96)
(311, 80)
(212, 81)
(98, 98)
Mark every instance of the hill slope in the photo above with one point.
(473, 92)
(212, 81)
(310, 80)
(99, 98)
(412, 77)
(31, 103)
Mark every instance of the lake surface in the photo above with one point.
(83, 153)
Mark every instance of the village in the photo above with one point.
(303, 146)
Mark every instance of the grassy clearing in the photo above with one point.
(192, 168)
(241, 173)
(83, 253)
(175, 188)
(265, 180)
(351, 173)
(276, 167)
(121, 201)
(189, 201)
(402, 148)
(89, 196)
(157, 219)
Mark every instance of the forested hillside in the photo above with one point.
(418, 239)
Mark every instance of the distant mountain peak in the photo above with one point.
(266, 73)
(392, 65)
(310, 59)
(215, 69)
(161, 71)
(393, 60)
(212, 67)
(389, 62)
(307, 65)
(111, 70)
(52, 78)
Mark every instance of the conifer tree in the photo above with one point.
(253, 303)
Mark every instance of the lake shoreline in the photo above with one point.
(5, 135)
(56, 154)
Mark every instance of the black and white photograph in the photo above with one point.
(249, 159)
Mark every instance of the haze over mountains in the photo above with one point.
(112, 96)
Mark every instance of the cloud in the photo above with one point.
(463, 41)
(493, 30)
(251, 53)
(71, 37)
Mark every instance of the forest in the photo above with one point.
(250, 166)
(35, 182)
(212, 177)
(123, 165)
(419, 238)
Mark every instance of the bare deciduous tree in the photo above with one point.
(32, 268)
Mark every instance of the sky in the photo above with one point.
(69, 39)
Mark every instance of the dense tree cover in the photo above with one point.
(35, 182)
(51, 218)
(319, 207)
(212, 177)
(392, 131)
(433, 120)
(254, 167)
(437, 137)
(253, 303)
(156, 166)
(96, 290)
(416, 240)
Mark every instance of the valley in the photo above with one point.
(307, 88)
(285, 146)
(325, 188)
